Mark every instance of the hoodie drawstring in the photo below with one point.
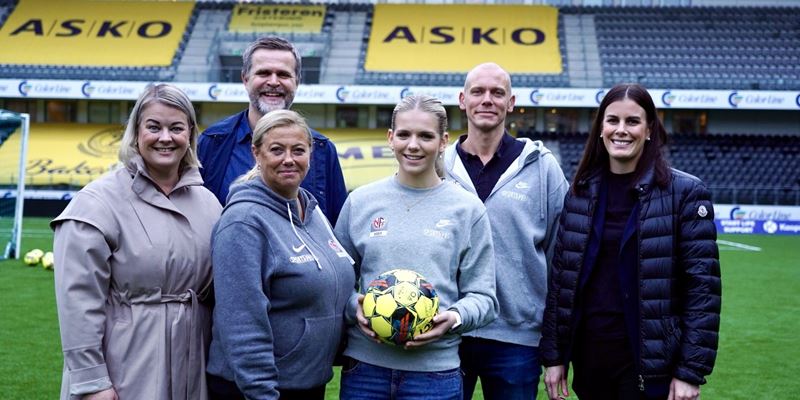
(291, 222)
(542, 190)
(333, 237)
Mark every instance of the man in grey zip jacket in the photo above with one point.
(523, 189)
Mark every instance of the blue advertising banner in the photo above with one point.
(767, 227)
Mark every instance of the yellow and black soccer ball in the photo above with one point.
(400, 304)
(33, 257)
(48, 260)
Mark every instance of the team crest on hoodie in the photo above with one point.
(378, 227)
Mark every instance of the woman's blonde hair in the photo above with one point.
(170, 96)
(270, 121)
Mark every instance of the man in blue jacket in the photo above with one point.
(523, 189)
(271, 74)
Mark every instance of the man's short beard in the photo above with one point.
(264, 109)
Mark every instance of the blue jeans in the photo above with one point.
(362, 381)
(507, 371)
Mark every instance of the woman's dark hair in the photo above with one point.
(595, 155)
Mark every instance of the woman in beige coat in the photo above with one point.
(133, 264)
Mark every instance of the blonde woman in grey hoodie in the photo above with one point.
(281, 279)
(415, 220)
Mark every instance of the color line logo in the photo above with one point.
(24, 88)
(87, 89)
(734, 99)
(214, 91)
(341, 93)
(598, 97)
(536, 96)
(667, 98)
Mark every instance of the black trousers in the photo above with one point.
(223, 389)
(604, 370)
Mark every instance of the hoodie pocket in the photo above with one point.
(516, 292)
(312, 357)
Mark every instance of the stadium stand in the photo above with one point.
(200, 61)
(348, 36)
(701, 47)
(217, 50)
(5, 9)
(660, 47)
(739, 169)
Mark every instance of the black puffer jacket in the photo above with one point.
(679, 278)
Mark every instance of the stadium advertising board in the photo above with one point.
(454, 38)
(93, 33)
(757, 219)
(390, 95)
(277, 18)
(63, 153)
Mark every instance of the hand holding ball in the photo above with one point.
(400, 304)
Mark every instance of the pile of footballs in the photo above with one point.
(37, 256)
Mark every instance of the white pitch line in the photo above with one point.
(739, 245)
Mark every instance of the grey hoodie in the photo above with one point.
(443, 234)
(524, 208)
(281, 285)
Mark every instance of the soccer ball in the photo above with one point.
(47, 260)
(399, 305)
(33, 257)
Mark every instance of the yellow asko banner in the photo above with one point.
(455, 38)
(93, 33)
(277, 18)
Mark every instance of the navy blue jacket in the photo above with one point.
(677, 280)
(324, 180)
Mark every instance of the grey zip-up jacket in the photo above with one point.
(281, 284)
(524, 208)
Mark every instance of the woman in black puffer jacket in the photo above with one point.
(635, 292)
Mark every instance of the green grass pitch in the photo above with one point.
(758, 355)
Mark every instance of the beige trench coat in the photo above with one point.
(131, 268)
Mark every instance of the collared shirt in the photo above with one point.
(485, 177)
(242, 156)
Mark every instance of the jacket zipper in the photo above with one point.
(640, 192)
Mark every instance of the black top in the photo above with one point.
(485, 177)
(604, 316)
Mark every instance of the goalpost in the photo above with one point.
(12, 201)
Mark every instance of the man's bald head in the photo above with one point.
(490, 69)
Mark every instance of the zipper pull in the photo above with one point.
(641, 384)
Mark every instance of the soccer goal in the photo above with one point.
(13, 155)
